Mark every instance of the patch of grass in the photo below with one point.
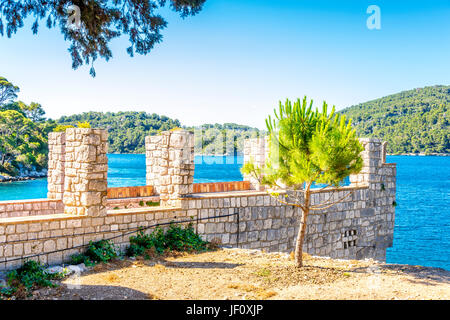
(32, 275)
(263, 272)
(152, 203)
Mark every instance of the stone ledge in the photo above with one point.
(246, 193)
(43, 218)
(127, 200)
(389, 164)
(344, 188)
(28, 201)
(141, 210)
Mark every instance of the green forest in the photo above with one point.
(127, 131)
(23, 133)
(413, 121)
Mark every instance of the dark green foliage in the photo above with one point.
(141, 203)
(23, 142)
(410, 121)
(100, 22)
(23, 133)
(175, 238)
(30, 276)
(126, 130)
(152, 204)
(99, 251)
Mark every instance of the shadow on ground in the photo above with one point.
(90, 292)
(421, 275)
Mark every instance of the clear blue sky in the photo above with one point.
(236, 59)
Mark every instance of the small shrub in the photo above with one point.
(152, 204)
(141, 203)
(31, 275)
(99, 251)
(176, 238)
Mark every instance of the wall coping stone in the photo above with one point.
(120, 200)
(28, 201)
(141, 210)
(262, 193)
(43, 218)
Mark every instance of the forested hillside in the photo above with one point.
(127, 131)
(414, 121)
(23, 134)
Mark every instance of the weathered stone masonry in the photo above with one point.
(359, 227)
(170, 165)
(86, 169)
(56, 164)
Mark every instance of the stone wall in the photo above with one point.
(23, 208)
(359, 227)
(47, 235)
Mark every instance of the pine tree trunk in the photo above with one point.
(302, 232)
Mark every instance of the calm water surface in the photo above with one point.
(422, 221)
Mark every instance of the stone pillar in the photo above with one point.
(379, 213)
(373, 160)
(86, 171)
(384, 152)
(56, 163)
(170, 165)
(255, 150)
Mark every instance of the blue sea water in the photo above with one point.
(422, 219)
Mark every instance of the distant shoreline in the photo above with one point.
(34, 176)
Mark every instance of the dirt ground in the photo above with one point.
(237, 274)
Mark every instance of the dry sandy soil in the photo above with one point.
(245, 274)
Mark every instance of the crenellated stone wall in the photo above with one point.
(359, 227)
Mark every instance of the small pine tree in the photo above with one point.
(307, 147)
